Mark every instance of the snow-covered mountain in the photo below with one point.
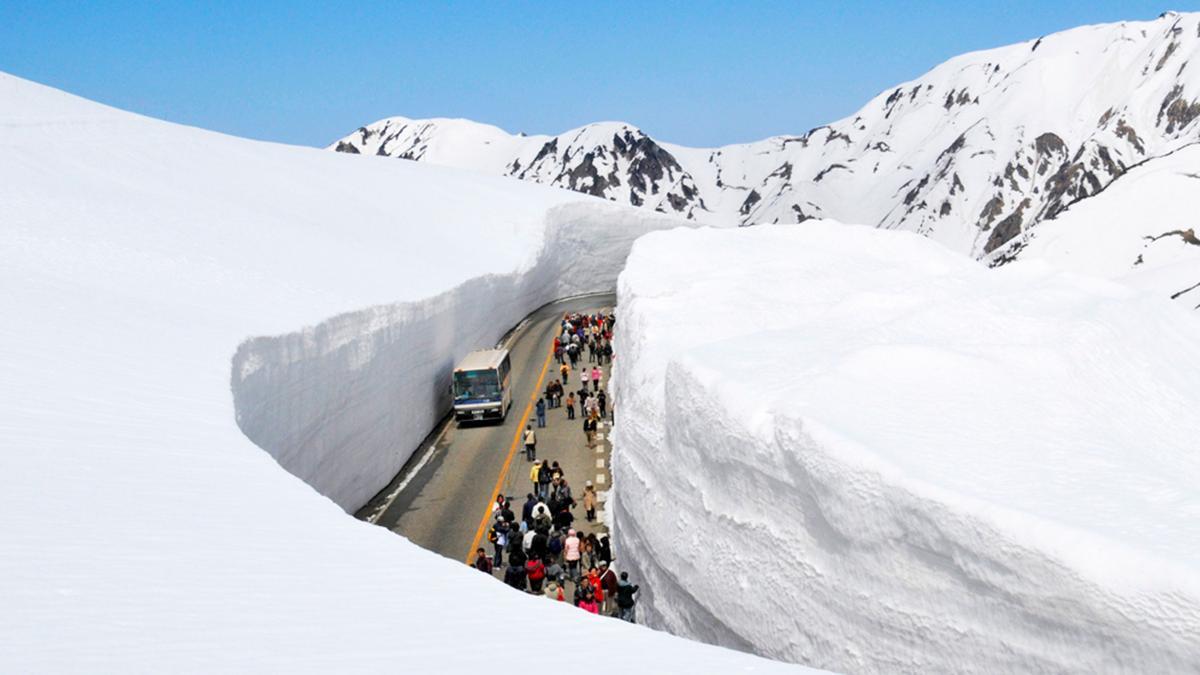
(973, 154)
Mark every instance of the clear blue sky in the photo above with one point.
(696, 73)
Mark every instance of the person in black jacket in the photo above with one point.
(625, 601)
(515, 575)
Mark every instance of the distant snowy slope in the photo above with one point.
(142, 530)
(858, 450)
(972, 154)
(1144, 230)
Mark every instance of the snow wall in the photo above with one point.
(143, 531)
(344, 404)
(853, 449)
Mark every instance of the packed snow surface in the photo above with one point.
(142, 530)
(855, 449)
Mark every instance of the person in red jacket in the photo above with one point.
(593, 578)
(535, 571)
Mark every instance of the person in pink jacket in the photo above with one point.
(596, 378)
(589, 604)
(571, 554)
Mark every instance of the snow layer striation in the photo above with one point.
(854, 449)
(143, 531)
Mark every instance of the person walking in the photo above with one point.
(535, 571)
(571, 554)
(593, 578)
(543, 481)
(541, 516)
(625, 601)
(481, 562)
(585, 376)
(540, 408)
(608, 580)
(589, 501)
(515, 576)
(602, 404)
(554, 591)
(527, 508)
(565, 370)
(596, 374)
(588, 604)
(534, 473)
(571, 405)
(530, 443)
(499, 538)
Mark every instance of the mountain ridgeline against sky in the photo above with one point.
(972, 154)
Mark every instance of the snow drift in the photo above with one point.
(854, 449)
(143, 531)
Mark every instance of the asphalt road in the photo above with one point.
(439, 498)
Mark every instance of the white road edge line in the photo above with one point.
(374, 518)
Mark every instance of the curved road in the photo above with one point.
(440, 497)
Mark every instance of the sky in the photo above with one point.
(694, 73)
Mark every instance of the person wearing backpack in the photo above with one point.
(625, 601)
(515, 576)
(543, 480)
(498, 535)
(530, 443)
(535, 570)
(540, 409)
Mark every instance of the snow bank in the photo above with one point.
(854, 449)
(143, 531)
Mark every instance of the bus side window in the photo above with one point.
(505, 367)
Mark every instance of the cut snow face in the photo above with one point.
(976, 152)
(855, 449)
(142, 530)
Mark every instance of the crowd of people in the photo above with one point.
(545, 554)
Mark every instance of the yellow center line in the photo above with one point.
(512, 451)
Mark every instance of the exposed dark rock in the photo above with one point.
(1188, 236)
(1180, 114)
(801, 216)
(835, 135)
(343, 146)
(831, 167)
(784, 171)
(1007, 229)
(945, 208)
(956, 185)
(751, 199)
(913, 193)
(1049, 143)
(1166, 55)
(1130, 134)
(1036, 44)
(991, 210)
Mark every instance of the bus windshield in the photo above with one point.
(476, 385)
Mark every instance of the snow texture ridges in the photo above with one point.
(856, 450)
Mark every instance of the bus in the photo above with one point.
(482, 386)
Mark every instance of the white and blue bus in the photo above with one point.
(482, 385)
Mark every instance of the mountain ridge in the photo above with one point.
(975, 153)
